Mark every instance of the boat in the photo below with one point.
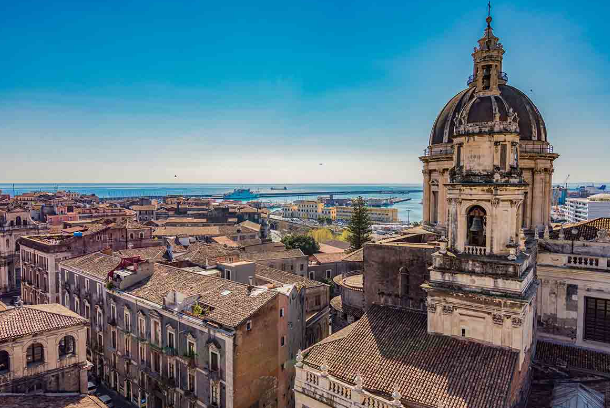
(240, 194)
(279, 188)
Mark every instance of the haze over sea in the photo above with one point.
(408, 210)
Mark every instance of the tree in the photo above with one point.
(305, 243)
(359, 226)
(329, 221)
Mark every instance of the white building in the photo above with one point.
(583, 209)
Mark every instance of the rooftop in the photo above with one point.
(264, 256)
(281, 277)
(54, 400)
(586, 230)
(391, 347)
(231, 302)
(27, 320)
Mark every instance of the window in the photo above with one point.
(142, 353)
(5, 362)
(66, 276)
(141, 235)
(597, 319)
(113, 338)
(99, 290)
(328, 273)
(127, 317)
(476, 226)
(131, 235)
(100, 317)
(282, 312)
(142, 327)
(171, 369)
(214, 391)
(87, 285)
(190, 347)
(214, 361)
(458, 156)
(463, 332)
(67, 346)
(100, 340)
(228, 274)
(127, 346)
(283, 341)
(191, 382)
(503, 154)
(113, 311)
(156, 332)
(156, 359)
(67, 301)
(77, 305)
(249, 325)
(35, 354)
(75, 281)
(170, 339)
(311, 275)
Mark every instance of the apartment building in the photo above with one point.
(290, 260)
(165, 336)
(41, 254)
(584, 209)
(376, 214)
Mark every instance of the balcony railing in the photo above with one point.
(536, 148)
(438, 151)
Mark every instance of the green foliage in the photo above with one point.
(197, 310)
(321, 234)
(359, 226)
(329, 221)
(305, 243)
(109, 285)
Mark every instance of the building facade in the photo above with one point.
(166, 337)
(42, 349)
(14, 224)
(584, 209)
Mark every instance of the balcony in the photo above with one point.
(34, 369)
(438, 151)
(112, 321)
(170, 351)
(67, 361)
(536, 148)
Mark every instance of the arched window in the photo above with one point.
(35, 354)
(8, 244)
(67, 346)
(18, 220)
(5, 362)
(476, 226)
(141, 235)
(131, 235)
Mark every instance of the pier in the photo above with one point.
(282, 193)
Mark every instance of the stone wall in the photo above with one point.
(393, 274)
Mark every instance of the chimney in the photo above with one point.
(251, 280)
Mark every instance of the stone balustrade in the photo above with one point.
(35, 369)
(328, 390)
(475, 250)
(574, 260)
(67, 361)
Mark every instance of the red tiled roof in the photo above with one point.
(586, 229)
(390, 348)
(555, 354)
(26, 320)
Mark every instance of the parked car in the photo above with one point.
(91, 388)
(107, 400)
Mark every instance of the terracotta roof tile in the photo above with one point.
(269, 255)
(586, 229)
(556, 354)
(356, 256)
(273, 275)
(27, 320)
(329, 258)
(390, 347)
(232, 303)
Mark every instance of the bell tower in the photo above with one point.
(482, 284)
(487, 72)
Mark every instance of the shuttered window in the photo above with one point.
(597, 319)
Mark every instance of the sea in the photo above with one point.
(410, 210)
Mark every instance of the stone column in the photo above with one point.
(426, 200)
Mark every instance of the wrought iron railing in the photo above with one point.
(536, 148)
(502, 76)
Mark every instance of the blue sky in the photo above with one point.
(254, 92)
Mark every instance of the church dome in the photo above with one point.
(477, 109)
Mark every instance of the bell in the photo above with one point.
(477, 225)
